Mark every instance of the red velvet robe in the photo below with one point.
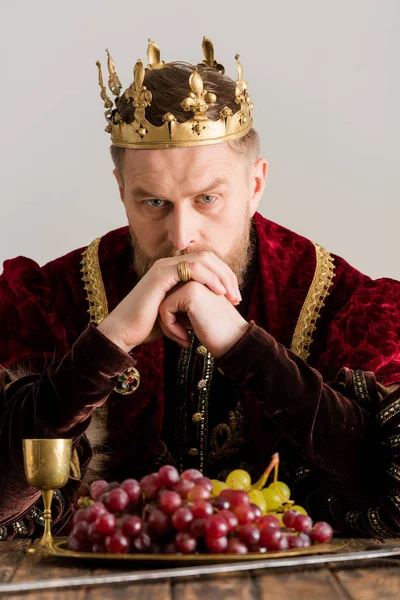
(339, 435)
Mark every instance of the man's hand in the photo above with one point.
(134, 320)
(215, 321)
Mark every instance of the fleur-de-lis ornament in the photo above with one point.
(154, 56)
(208, 51)
(241, 95)
(138, 93)
(113, 81)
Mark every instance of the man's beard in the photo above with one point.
(238, 257)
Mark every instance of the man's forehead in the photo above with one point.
(178, 159)
(151, 186)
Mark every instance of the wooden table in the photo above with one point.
(377, 579)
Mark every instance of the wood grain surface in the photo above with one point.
(366, 581)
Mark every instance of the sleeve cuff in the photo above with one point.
(243, 358)
(95, 352)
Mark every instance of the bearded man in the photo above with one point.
(215, 337)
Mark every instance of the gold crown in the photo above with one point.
(199, 130)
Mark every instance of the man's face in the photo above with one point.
(185, 200)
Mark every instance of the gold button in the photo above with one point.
(193, 452)
(202, 384)
(197, 417)
(201, 350)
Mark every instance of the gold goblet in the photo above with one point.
(47, 467)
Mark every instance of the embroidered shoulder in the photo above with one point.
(313, 304)
(94, 286)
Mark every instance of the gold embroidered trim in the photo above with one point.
(376, 523)
(313, 304)
(95, 295)
(385, 415)
(394, 471)
(227, 439)
(94, 286)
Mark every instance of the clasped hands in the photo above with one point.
(158, 302)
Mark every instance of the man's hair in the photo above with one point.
(169, 86)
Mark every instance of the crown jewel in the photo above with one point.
(197, 130)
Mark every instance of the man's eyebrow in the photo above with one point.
(141, 192)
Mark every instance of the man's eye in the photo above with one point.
(155, 203)
(207, 199)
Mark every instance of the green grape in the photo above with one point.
(272, 498)
(282, 488)
(238, 480)
(257, 497)
(299, 509)
(217, 487)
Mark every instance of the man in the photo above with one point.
(215, 338)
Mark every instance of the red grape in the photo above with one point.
(132, 526)
(113, 485)
(283, 543)
(182, 487)
(198, 528)
(235, 546)
(257, 548)
(105, 524)
(289, 517)
(268, 521)
(150, 485)
(245, 514)
(159, 522)
(249, 534)
(257, 512)
(206, 482)
(80, 531)
(202, 509)
(117, 543)
(191, 474)
(169, 548)
(93, 535)
(95, 510)
(238, 498)
(132, 488)
(141, 543)
(216, 527)
(230, 518)
(306, 539)
(80, 515)
(299, 541)
(182, 518)
(217, 545)
(221, 503)
(169, 501)
(98, 488)
(98, 548)
(270, 538)
(321, 532)
(117, 500)
(185, 543)
(76, 545)
(302, 523)
(198, 492)
(168, 475)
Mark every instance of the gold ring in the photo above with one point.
(184, 271)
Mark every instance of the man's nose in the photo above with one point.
(181, 228)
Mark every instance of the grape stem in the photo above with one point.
(274, 464)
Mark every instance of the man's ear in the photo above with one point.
(120, 184)
(258, 180)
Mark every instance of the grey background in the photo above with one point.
(324, 77)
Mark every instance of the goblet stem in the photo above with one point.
(47, 538)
